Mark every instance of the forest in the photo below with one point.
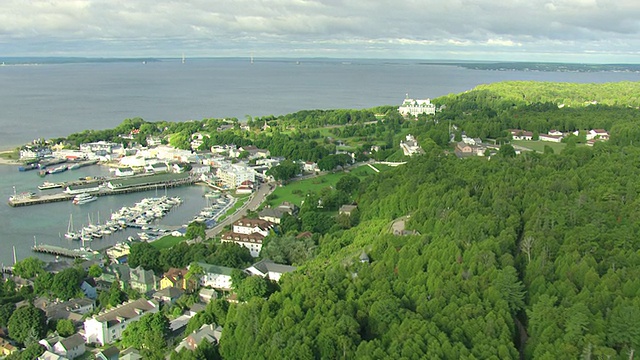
(532, 256)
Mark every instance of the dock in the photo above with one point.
(60, 251)
(35, 199)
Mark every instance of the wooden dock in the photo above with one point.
(60, 251)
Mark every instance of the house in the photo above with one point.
(207, 332)
(311, 167)
(347, 209)
(598, 134)
(174, 277)
(157, 168)
(73, 309)
(410, 146)
(6, 348)
(89, 290)
(217, 277)
(550, 138)
(48, 355)
(130, 354)
(142, 280)
(289, 208)
(71, 347)
(517, 134)
(272, 215)
(108, 326)
(416, 107)
(268, 269)
(253, 242)
(49, 342)
(168, 295)
(206, 295)
(555, 133)
(110, 353)
(364, 258)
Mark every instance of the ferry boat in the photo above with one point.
(57, 169)
(84, 198)
(49, 185)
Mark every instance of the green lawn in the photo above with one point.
(238, 204)
(294, 192)
(167, 241)
(539, 145)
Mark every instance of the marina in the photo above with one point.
(69, 253)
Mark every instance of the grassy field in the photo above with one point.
(241, 200)
(539, 145)
(167, 241)
(294, 192)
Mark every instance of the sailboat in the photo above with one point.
(251, 59)
(183, 59)
(70, 234)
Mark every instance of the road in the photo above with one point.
(257, 198)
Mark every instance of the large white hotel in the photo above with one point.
(416, 107)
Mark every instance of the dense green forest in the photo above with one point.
(533, 256)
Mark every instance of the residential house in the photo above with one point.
(174, 278)
(88, 289)
(130, 354)
(110, 353)
(6, 348)
(48, 355)
(347, 209)
(550, 138)
(207, 332)
(142, 280)
(555, 132)
(410, 146)
(71, 347)
(217, 277)
(206, 295)
(272, 215)
(289, 208)
(245, 188)
(598, 134)
(415, 107)
(168, 295)
(108, 326)
(311, 167)
(268, 269)
(73, 309)
(517, 134)
(50, 341)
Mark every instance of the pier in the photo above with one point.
(35, 199)
(60, 251)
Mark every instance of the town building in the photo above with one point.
(410, 146)
(71, 347)
(216, 277)
(600, 134)
(207, 332)
(416, 107)
(253, 242)
(108, 326)
(269, 269)
(517, 134)
(141, 280)
(550, 138)
(174, 277)
(233, 175)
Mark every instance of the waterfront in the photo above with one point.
(56, 100)
(47, 223)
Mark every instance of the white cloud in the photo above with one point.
(156, 27)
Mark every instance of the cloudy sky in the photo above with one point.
(523, 30)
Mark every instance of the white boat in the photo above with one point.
(70, 234)
(84, 198)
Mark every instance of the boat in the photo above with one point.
(70, 234)
(27, 167)
(74, 166)
(49, 185)
(57, 169)
(84, 198)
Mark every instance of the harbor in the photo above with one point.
(69, 253)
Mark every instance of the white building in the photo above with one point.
(598, 134)
(108, 326)
(252, 226)
(71, 347)
(253, 242)
(233, 175)
(550, 138)
(410, 146)
(268, 269)
(416, 107)
(217, 277)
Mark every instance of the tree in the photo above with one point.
(95, 271)
(65, 327)
(348, 184)
(5, 313)
(252, 286)
(29, 268)
(506, 151)
(285, 170)
(116, 295)
(27, 324)
(196, 230)
(194, 275)
(66, 283)
(32, 351)
(150, 332)
(145, 255)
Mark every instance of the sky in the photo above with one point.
(592, 31)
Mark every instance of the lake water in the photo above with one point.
(56, 100)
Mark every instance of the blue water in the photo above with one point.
(56, 100)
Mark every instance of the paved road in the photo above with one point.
(256, 199)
